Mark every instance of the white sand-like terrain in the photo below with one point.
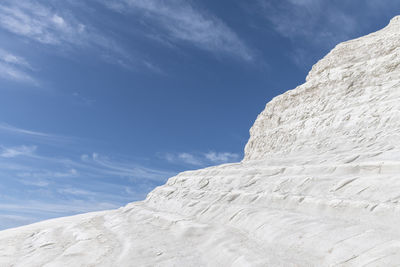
(319, 185)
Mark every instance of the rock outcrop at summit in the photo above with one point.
(319, 185)
(349, 102)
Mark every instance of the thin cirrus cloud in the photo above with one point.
(221, 157)
(200, 159)
(308, 25)
(41, 182)
(100, 165)
(33, 211)
(35, 21)
(179, 21)
(92, 165)
(53, 23)
(12, 152)
(43, 23)
(8, 220)
(319, 25)
(89, 167)
(9, 58)
(31, 135)
(15, 68)
(308, 19)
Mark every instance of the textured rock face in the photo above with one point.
(349, 102)
(319, 185)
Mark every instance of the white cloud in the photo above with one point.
(154, 68)
(104, 165)
(11, 73)
(63, 184)
(181, 21)
(73, 206)
(39, 22)
(190, 159)
(311, 25)
(183, 158)
(315, 26)
(16, 130)
(89, 166)
(48, 174)
(77, 192)
(200, 159)
(10, 58)
(36, 135)
(8, 220)
(54, 24)
(12, 152)
(15, 68)
(310, 19)
(59, 21)
(82, 100)
(223, 157)
(36, 182)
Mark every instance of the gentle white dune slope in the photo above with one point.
(319, 185)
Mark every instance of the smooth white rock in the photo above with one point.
(319, 185)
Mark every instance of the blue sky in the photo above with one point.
(101, 101)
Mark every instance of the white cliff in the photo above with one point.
(319, 185)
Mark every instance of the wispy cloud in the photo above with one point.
(9, 128)
(11, 59)
(310, 25)
(8, 220)
(315, 25)
(221, 157)
(11, 73)
(49, 174)
(154, 68)
(200, 159)
(309, 19)
(12, 152)
(34, 182)
(35, 135)
(36, 21)
(88, 166)
(105, 165)
(189, 159)
(83, 100)
(76, 191)
(40, 186)
(71, 28)
(77, 206)
(180, 21)
(54, 24)
(15, 68)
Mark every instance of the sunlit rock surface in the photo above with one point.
(319, 185)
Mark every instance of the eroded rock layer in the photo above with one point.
(319, 185)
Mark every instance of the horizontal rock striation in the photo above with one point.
(319, 185)
(350, 101)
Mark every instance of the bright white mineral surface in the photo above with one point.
(319, 185)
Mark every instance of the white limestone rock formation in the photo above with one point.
(319, 185)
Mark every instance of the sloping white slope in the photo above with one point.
(319, 186)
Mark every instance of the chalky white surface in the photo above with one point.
(319, 186)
